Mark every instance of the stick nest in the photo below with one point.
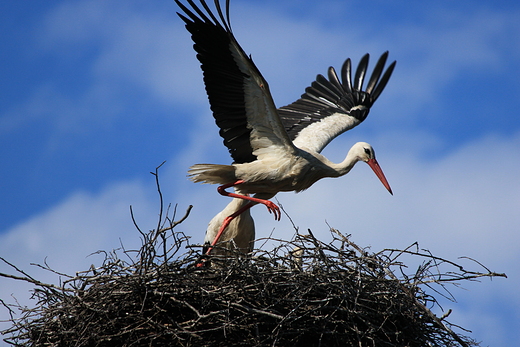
(304, 292)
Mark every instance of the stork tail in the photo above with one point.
(212, 173)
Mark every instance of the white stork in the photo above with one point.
(240, 230)
(273, 149)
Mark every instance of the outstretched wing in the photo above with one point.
(330, 107)
(238, 94)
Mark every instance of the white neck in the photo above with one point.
(346, 165)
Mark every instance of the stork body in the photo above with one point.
(274, 149)
(283, 170)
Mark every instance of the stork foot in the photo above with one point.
(202, 263)
(272, 208)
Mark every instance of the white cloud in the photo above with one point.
(122, 49)
(66, 234)
(144, 46)
(449, 47)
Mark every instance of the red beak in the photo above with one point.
(379, 173)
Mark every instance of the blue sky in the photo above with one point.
(95, 94)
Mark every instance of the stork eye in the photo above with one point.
(367, 151)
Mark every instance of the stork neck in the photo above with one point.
(346, 165)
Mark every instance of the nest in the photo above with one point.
(304, 292)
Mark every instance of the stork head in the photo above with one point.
(365, 152)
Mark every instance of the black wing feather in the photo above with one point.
(382, 83)
(224, 83)
(223, 79)
(346, 75)
(361, 72)
(329, 96)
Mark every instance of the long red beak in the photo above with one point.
(379, 173)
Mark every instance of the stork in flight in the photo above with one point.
(273, 149)
(241, 229)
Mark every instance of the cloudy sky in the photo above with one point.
(94, 94)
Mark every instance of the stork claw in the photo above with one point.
(201, 263)
(273, 208)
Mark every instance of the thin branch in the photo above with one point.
(174, 224)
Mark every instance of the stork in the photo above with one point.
(275, 150)
(241, 230)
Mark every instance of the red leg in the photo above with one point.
(271, 206)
